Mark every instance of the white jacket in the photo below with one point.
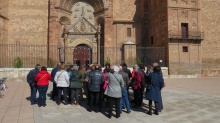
(62, 79)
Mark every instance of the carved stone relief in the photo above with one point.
(184, 14)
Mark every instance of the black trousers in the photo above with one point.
(94, 99)
(138, 96)
(113, 101)
(150, 105)
(60, 90)
(55, 91)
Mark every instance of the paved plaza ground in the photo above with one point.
(185, 101)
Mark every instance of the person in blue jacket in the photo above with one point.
(30, 79)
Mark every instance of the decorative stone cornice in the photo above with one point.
(123, 21)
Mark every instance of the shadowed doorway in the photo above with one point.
(82, 55)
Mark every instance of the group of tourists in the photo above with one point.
(110, 87)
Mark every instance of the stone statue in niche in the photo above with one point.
(99, 28)
(82, 26)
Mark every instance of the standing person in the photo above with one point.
(124, 99)
(53, 73)
(126, 70)
(82, 71)
(143, 80)
(154, 92)
(91, 68)
(32, 83)
(75, 85)
(62, 82)
(113, 91)
(42, 80)
(96, 79)
(107, 68)
(137, 75)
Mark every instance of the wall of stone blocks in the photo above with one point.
(185, 63)
(28, 21)
(3, 21)
(17, 74)
(210, 14)
(126, 9)
(156, 23)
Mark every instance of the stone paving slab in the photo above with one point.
(183, 103)
(14, 107)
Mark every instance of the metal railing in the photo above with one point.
(29, 54)
(33, 54)
(176, 34)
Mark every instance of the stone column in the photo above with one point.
(98, 43)
(64, 41)
(130, 53)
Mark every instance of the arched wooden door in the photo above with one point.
(82, 55)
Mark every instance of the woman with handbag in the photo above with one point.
(42, 79)
(113, 90)
(62, 80)
(154, 92)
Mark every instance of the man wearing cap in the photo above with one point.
(30, 79)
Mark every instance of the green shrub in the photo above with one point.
(17, 63)
(50, 63)
(107, 60)
(138, 60)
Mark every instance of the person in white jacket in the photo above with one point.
(62, 81)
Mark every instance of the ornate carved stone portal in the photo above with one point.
(82, 33)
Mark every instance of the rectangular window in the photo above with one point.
(152, 39)
(184, 28)
(185, 48)
(128, 32)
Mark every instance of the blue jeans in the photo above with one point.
(33, 88)
(124, 100)
(42, 94)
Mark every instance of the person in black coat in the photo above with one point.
(96, 79)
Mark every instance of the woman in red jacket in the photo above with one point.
(137, 75)
(42, 80)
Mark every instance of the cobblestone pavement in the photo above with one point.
(185, 101)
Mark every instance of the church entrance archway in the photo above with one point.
(85, 28)
(82, 55)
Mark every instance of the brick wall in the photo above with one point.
(28, 21)
(3, 21)
(210, 14)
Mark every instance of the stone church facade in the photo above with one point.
(89, 31)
